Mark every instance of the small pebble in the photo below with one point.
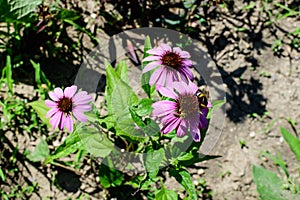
(200, 171)
(252, 134)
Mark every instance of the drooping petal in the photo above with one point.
(182, 128)
(79, 116)
(55, 119)
(186, 71)
(62, 122)
(177, 50)
(156, 51)
(161, 79)
(155, 76)
(187, 63)
(195, 132)
(69, 123)
(203, 122)
(70, 91)
(50, 104)
(59, 92)
(151, 66)
(52, 112)
(170, 125)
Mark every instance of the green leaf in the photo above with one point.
(153, 160)
(41, 109)
(144, 107)
(146, 76)
(293, 142)
(270, 186)
(165, 194)
(121, 71)
(109, 177)
(70, 145)
(22, 8)
(94, 140)
(40, 77)
(184, 178)
(8, 70)
(40, 153)
(2, 176)
(188, 3)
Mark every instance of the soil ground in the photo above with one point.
(262, 91)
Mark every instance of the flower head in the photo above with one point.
(173, 65)
(66, 103)
(185, 113)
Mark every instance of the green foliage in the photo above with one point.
(40, 153)
(164, 194)
(41, 109)
(153, 160)
(109, 177)
(292, 141)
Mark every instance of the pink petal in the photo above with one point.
(195, 132)
(162, 108)
(151, 58)
(165, 47)
(82, 108)
(181, 87)
(185, 54)
(52, 112)
(169, 78)
(167, 92)
(79, 116)
(177, 50)
(59, 92)
(62, 122)
(70, 91)
(162, 78)
(69, 123)
(187, 63)
(209, 105)
(151, 66)
(82, 98)
(51, 104)
(155, 75)
(156, 51)
(55, 119)
(182, 128)
(53, 96)
(172, 124)
(185, 71)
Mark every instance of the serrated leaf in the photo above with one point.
(153, 160)
(121, 71)
(270, 186)
(293, 142)
(184, 178)
(41, 109)
(109, 177)
(94, 140)
(22, 8)
(40, 153)
(165, 194)
(70, 145)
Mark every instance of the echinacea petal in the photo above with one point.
(69, 123)
(187, 63)
(79, 116)
(55, 119)
(168, 93)
(59, 92)
(62, 122)
(195, 132)
(165, 47)
(177, 50)
(156, 51)
(203, 122)
(162, 108)
(53, 96)
(50, 104)
(51, 112)
(151, 58)
(184, 71)
(182, 128)
(151, 66)
(185, 54)
(181, 87)
(170, 125)
(70, 91)
(82, 108)
(82, 98)
(155, 76)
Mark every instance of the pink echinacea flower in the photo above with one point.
(187, 113)
(66, 103)
(172, 65)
